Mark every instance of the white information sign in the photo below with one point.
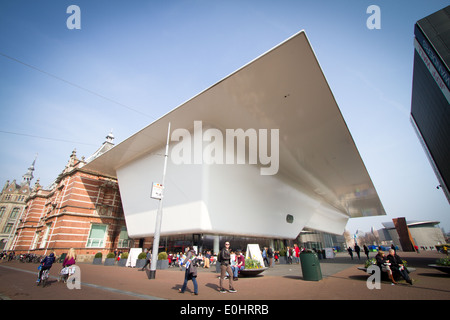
(329, 253)
(157, 191)
(132, 257)
(254, 252)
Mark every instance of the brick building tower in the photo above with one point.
(80, 210)
(12, 203)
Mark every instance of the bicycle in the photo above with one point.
(44, 278)
(65, 273)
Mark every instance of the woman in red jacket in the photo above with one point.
(70, 258)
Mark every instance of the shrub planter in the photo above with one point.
(142, 258)
(162, 264)
(252, 268)
(252, 272)
(140, 263)
(445, 269)
(109, 261)
(98, 258)
(123, 259)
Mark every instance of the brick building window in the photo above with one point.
(35, 240)
(14, 213)
(45, 237)
(8, 228)
(97, 236)
(124, 241)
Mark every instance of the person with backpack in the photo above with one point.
(46, 264)
(224, 258)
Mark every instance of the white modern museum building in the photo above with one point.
(264, 153)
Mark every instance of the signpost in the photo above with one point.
(158, 192)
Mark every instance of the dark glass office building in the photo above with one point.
(430, 105)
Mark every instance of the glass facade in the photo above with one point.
(309, 239)
(430, 110)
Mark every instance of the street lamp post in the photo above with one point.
(156, 237)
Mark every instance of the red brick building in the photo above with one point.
(80, 210)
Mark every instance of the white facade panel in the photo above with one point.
(221, 199)
(317, 177)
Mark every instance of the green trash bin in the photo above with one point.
(310, 266)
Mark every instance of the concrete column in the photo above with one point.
(216, 248)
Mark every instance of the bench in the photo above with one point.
(409, 269)
(384, 275)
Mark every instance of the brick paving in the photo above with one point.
(341, 281)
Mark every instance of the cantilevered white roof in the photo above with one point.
(283, 89)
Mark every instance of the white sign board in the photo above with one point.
(157, 191)
(254, 252)
(329, 253)
(132, 257)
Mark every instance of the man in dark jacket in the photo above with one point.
(225, 266)
(397, 266)
(46, 264)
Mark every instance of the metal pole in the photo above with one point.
(156, 237)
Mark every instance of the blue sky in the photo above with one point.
(148, 57)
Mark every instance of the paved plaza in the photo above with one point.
(341, 281)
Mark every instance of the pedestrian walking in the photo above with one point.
(265, 258)
(224, 258)
(350, 252)
(191, 270)
(297, 253)
(148, 258)
(366, 251)
(358, 250)
(289, 255)
(270, 256)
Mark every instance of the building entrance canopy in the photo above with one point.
(301, 168)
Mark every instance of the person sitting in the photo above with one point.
(384, 265)
(397, 266)
(240, 265)
(207, 259)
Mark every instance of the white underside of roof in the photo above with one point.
(321, 175)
